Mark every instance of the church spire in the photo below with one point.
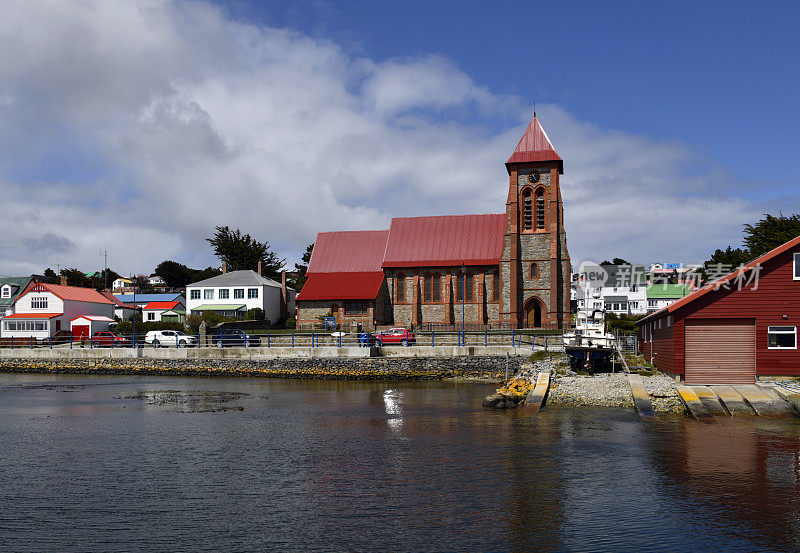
(535, 146)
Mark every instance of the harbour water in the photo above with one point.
(168, 464)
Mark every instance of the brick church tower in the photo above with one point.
(535, 267)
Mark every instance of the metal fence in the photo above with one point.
(269, 339)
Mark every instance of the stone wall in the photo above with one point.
(337, 369)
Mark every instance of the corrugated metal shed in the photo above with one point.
(535, 146)
(348, 252)
(341, 286)
(443, 241)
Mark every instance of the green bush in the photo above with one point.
(211, 318)
(291, 322)
(255, 314)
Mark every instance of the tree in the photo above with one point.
(770, 232)
(178, 275)
(50, 276)
(241, 252)
(729, 256)
(76, 277)
(300, 269)
(615, 261)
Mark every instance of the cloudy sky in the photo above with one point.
(136, 126)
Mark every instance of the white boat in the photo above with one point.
(588, 345)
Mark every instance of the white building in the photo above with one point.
(233, 294)
(157, 311)
(42, 310)
(620, 289)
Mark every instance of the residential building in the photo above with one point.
(42, 310)
(121, 284)
(143, 299)
(619, 289)
(507, 269)
(741, 327)
(233, 293)
(167, 311)
(660, 296)
(122, 311)
(10, 288)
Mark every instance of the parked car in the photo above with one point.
(107, 339)
(233, 337)
(396, 336)
(169, 338)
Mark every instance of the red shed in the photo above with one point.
(740, 327)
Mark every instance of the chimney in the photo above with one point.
(224, 267)
(63, 281)
(259, 267)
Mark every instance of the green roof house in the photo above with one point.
(10, 288)
(661, 295)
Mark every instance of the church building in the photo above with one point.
(507, 270)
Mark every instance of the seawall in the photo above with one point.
(175, 363)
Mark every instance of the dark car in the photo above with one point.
(233, 337)
(396, 336)
(107, 339)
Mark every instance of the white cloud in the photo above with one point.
(179, 119)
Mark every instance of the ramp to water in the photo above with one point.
(640, 396)
(789, 395)
(763, 404)
(732, 400)
(711, 401)
(536, 396)
(693, 404)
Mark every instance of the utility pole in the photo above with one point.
(104, 253)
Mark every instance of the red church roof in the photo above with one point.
(447, 240)
(341, 286)
(535, 146)
(67, 293)
(348, 252)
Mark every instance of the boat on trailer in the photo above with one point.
(589, 346)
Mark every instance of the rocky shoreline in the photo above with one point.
(568, 389)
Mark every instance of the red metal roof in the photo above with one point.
(341, 286)
(67, 293)
(722, 280)
(166, 305)
(348, 251)
(32, 315)
(447, 240)
(534, 146)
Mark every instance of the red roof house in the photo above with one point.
(734, 330)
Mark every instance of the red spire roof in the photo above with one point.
(535, 146)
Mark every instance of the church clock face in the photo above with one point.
(534, 177)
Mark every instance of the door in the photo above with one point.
(720, 351)
(80, 331)
(533, 313)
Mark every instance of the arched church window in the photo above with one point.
(527, 209)
(540, 211)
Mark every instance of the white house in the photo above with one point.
(42, 310)
(10, 288)
(233, 294)
(156, 311)
(620, 289)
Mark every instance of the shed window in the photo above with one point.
(797, 266)
(782, 337)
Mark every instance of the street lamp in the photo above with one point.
(463, 295)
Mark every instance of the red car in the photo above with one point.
(396, 336)
(106, 339)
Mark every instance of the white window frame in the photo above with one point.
(238, 293)
(795, 265)
(793, 332)
(151, 316)
(194, 294)
(252, 293)
(224, 293)
(208, 294)
(6, 291)
(39, 302)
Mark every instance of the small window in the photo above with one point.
(28, 325)
(534, 272)
(6, 291)
(194, 294)
(782, 337)
(540, 209)
(224, 293)
(400, 288)
(238, 293)
(496, 286)
(669, 320)
(208, 294)
(151, 316)
(39, 302)
(797, 266)
(527, 210)
(470, 285)
(252, 293)
(356, 308)
(40, 325)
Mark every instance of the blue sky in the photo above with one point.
(139, 125)
(721, 76)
